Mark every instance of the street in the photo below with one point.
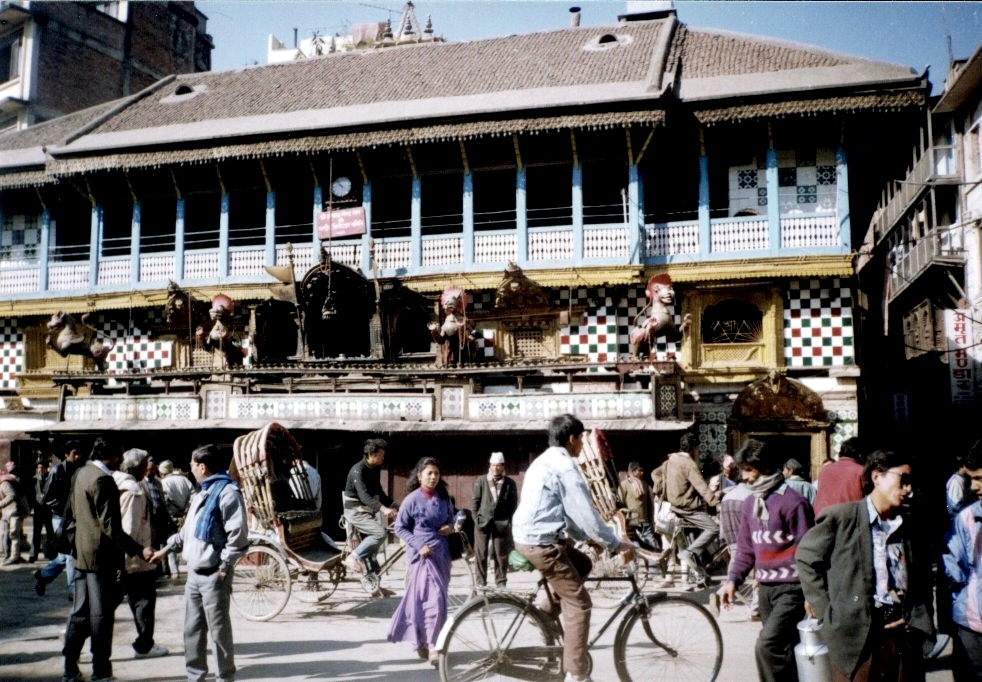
(344, 639)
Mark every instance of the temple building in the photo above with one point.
(647, 224)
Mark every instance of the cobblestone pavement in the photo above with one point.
(343, 639)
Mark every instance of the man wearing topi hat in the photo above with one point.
(493, 504)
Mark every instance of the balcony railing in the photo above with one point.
(935, 165)
(69, 269)
(942, 246)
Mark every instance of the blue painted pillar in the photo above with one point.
(842, 198)
(136, 231)
(634, 214)
(223, 238)
(468, 219)
(270, 236)
(44, 255)
(95, 241)
(705, 225)
(521, 218)
(416, 225)
(773, 202)
(366, 255)
(179, 240)
(315, 240)
(577, 214)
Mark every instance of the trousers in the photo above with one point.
(92, 616)
(566, 569)
(206, 612)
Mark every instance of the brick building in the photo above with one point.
(60, 57)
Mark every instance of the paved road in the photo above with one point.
(341, 640)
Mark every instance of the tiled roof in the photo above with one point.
(549, 60)
(52, 132)
(719, 53)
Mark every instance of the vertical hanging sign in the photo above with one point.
(961, 359)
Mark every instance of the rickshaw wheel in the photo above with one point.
(260, 584)
(313, 587)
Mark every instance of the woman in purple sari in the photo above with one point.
(424, 522)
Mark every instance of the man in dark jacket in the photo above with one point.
(866, 575)
(363, 499)
(41, 511)
(493, 504)
(93, 527)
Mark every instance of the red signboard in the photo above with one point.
(344, 222)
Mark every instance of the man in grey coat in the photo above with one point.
(867, 577)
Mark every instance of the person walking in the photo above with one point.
(792, 476)
(424, 521)
(636, 496)
(177, 498)
(215, 534)
(555, 510)
(493, 504)
(773, 519)
(59, 490)
(140, 578)
(42, 525)
(866, 574)
(14, 508)
(94, 530)
(363, 499)
(842, 480)
(964, 573)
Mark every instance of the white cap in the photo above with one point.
(497, 458)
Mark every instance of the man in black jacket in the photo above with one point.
(363, 500)
(493, 504)
(55, 499)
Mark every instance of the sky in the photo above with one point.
(908, 33)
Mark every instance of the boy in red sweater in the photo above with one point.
(773, 520)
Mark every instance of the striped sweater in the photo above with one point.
(769, 546)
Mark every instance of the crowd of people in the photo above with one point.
(846, 550)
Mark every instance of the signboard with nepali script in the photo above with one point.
(962, 366)
(343, 222)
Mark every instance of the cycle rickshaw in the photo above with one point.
(288, 553)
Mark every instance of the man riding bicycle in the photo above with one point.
(679, 481)
(363, 499)
(555, 509)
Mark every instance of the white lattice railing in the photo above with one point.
(391, 254)
(739, 235)
(244, 261)
(495, 247)
(445, 250)
(201, 264)
(810, 231)
(672, 239)
(157, 267)
(19, 280)
(551, 244)
(346, 252)
(304, 258)
(114, 270)
(606, 242)
(69, 276)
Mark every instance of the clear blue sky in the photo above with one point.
(908, 33)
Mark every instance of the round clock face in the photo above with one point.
(341, 186)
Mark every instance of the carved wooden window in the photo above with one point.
(529, 342)
(732, 321)
(921, 330)
(35, 348)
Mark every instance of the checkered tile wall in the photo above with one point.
(11, 352)
(818, 324)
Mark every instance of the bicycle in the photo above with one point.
(504, 635)
(370, 579)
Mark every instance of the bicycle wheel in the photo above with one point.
(500, 638)
(313, 587)
(260, 583)
(668, 638)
